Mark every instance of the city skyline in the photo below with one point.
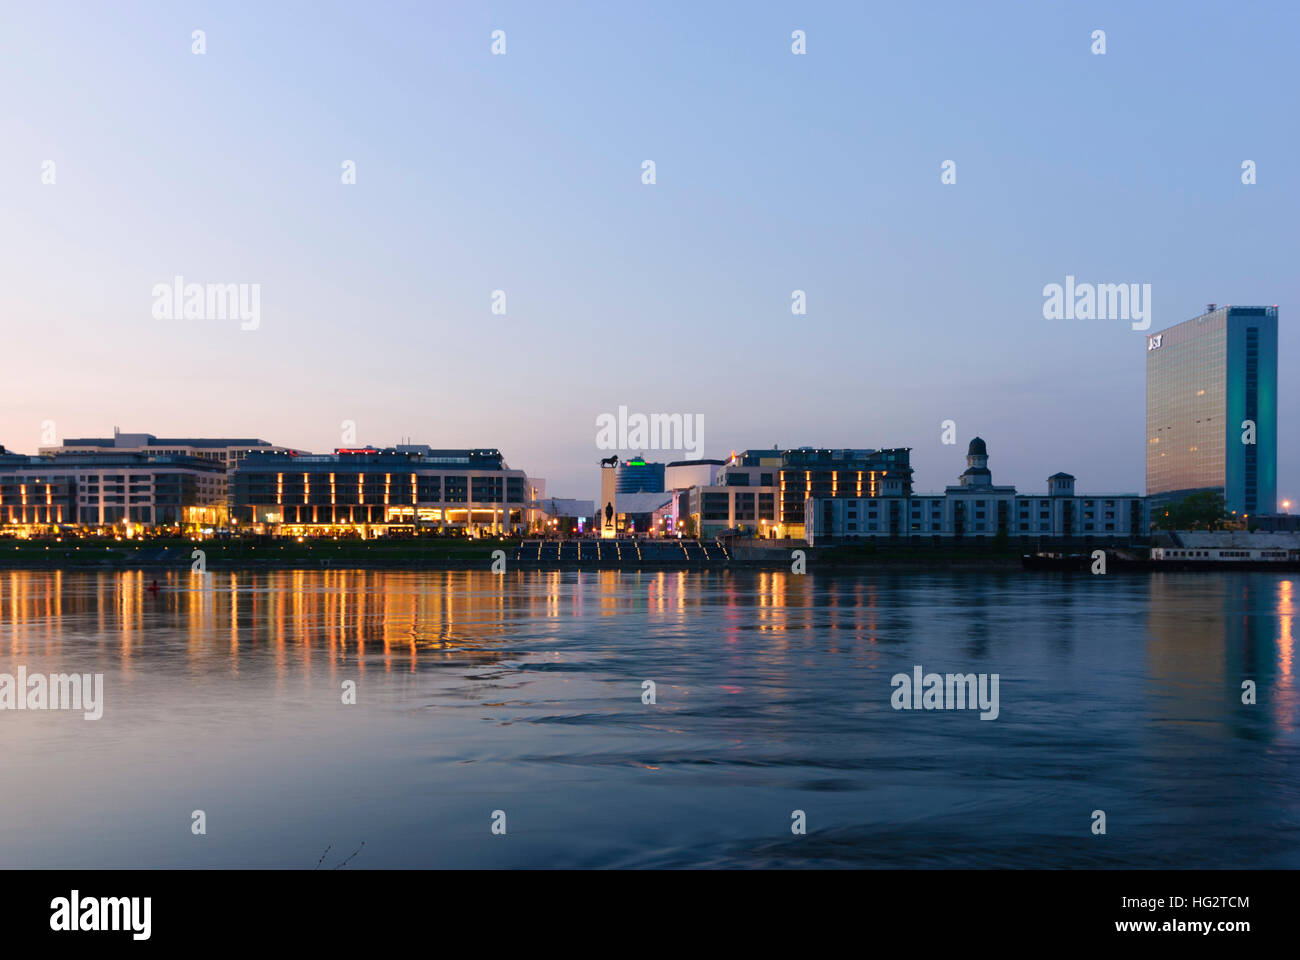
(491, 435)
(656, 457)
(924, 299)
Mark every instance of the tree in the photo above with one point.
(1196, 511)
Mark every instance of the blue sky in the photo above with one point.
(522, 173)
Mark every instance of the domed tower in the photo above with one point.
(977, 465)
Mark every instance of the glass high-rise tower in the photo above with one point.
(1209, 379)
(637, 476)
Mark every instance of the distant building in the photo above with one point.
(977, 509)
(226, 451)
(1206, 378)
(638, 514)
(764, 492)
(635, 475)
(1280, 522)
(684, 474)
(373, 491)
(564, 516)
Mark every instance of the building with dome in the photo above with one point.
(975, 508)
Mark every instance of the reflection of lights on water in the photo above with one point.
(1286, 704)
(1286, 618)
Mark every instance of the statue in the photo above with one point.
(610, 461)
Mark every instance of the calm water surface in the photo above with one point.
(522, 693)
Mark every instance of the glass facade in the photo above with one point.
(1206, 376)
(1186, 416)
(809, 473)
(637, 476)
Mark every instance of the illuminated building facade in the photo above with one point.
(563, 516)
(765, 492)
(1208, 380)
(99, 490)
(639, 514)
(373, 492)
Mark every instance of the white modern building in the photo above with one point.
(684, 474)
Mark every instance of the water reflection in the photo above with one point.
(525, 688)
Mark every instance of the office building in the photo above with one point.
(1212, 409)
(684, 474)
(374, 491)
(40, 493)
(764, 492)
(635, 475)
(226, 451)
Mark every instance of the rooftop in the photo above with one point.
(149, 440)
(481, 458)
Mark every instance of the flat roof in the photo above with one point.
(1240, 309)
(167, 441)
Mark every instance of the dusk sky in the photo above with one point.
(523, 173)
